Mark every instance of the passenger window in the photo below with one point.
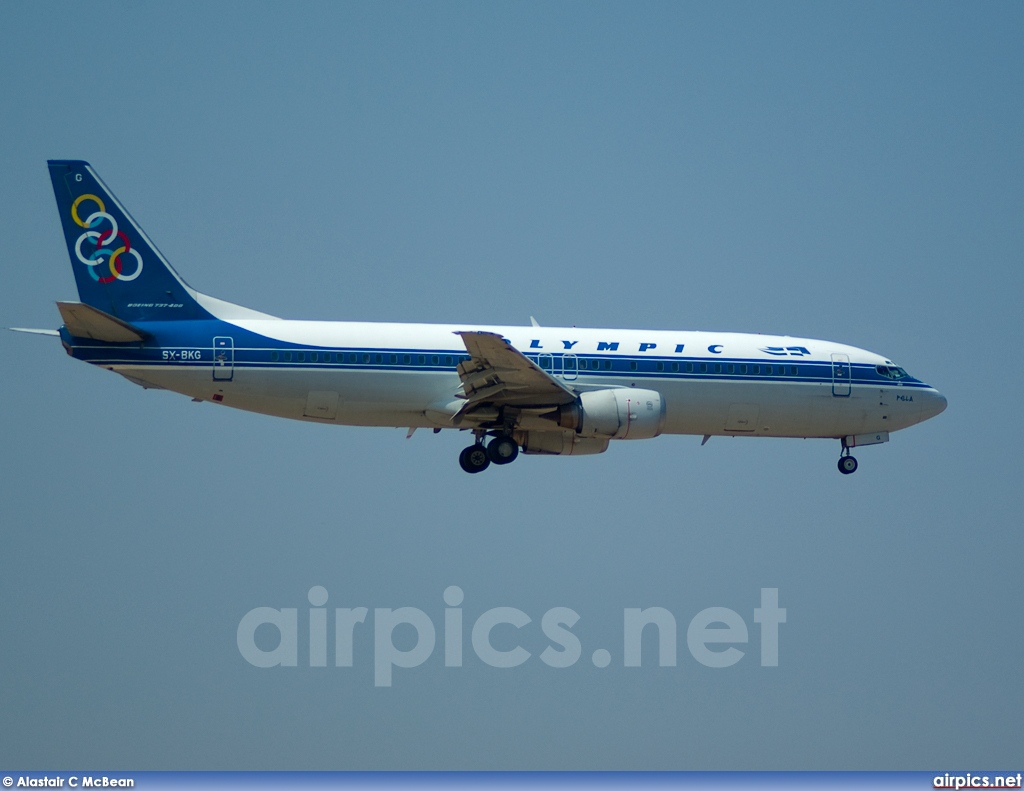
(448, 361)
(755, 369)
(661, 366)
(273, 357)
(718, 368)
(301, 357)
(420, 359)
(435, 359)
(406, 359)
(675, 367)
(607, 365)
(731, 369)
(792, 370)
(768, 369)
(352, 358)
(703, 368)
(287, 357)
(313, 356)
(743, 369)
(689, 368)
(632, 365)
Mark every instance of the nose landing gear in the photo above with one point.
(847, 464)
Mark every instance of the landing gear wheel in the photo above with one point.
(474, 459)
(847, 464)
(503, 450)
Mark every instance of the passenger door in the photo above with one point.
(841, 375)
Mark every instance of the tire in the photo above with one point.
(503, 450)
(847, 465)
(474, 459)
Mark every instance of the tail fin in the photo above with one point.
(117, 268)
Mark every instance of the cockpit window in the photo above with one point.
(891, 371)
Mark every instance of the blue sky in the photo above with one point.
(842, 171)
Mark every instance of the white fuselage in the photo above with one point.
(403, 375)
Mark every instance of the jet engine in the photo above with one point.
(559, 443)
(620, 413)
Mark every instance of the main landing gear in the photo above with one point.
(500, 450)
(503, 449)
(847, 464)
(474, 458)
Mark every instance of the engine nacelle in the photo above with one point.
(559, 443)
(619, 413)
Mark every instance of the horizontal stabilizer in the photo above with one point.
(34, 332)
(85, 321)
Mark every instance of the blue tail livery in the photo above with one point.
(564, 391)
(117, 268)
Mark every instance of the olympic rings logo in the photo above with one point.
(102, 242)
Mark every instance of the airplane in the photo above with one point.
(537, 390)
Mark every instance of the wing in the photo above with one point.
(497, 375)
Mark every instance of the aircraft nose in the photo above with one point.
(934, 404)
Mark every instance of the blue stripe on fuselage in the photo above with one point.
(177, 343)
